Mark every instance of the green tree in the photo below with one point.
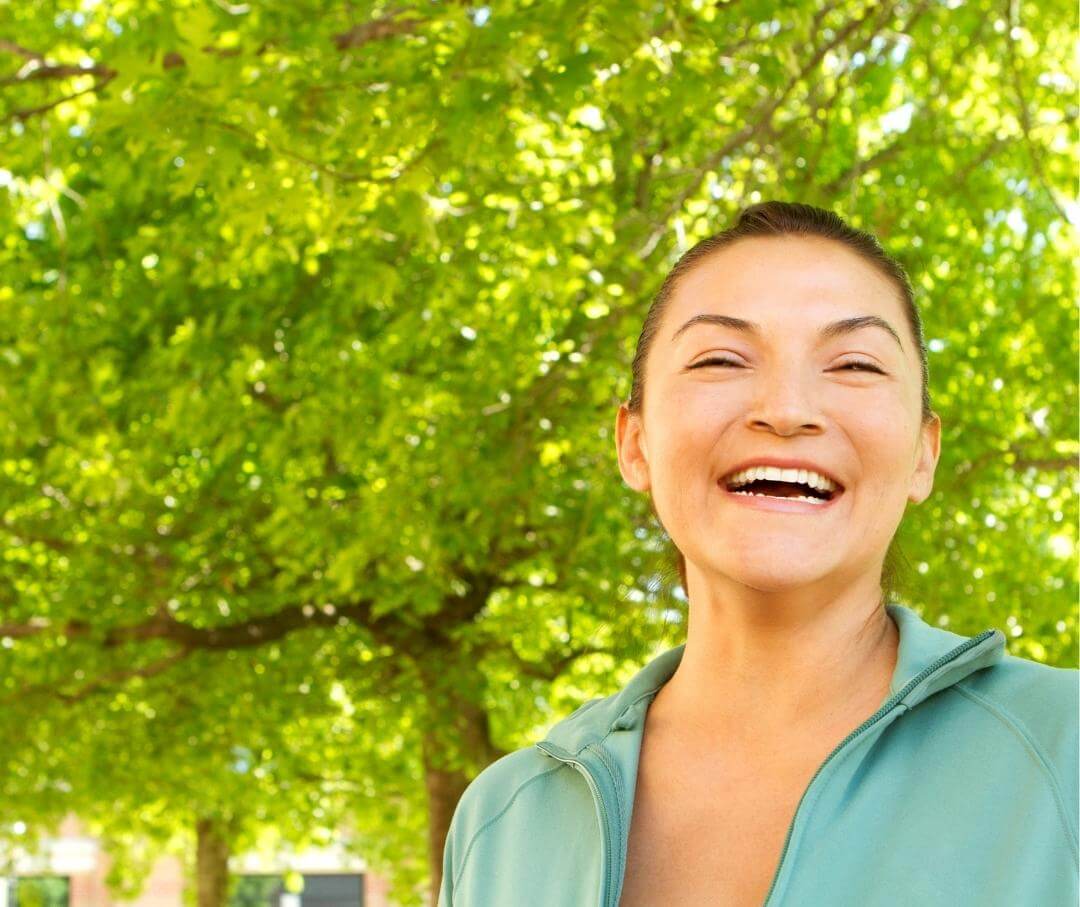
(315, 321)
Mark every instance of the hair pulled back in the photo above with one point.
(778, 218)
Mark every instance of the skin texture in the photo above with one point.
(785, 610)
(788, 646)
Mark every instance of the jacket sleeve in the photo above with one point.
(446, 888)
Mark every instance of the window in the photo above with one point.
(37, 891)
(319, 890)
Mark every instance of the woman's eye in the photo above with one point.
(856, 366)
(865, 366)
(715, 361)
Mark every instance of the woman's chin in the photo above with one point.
(793, 567)
(776, 582)
(776, 549)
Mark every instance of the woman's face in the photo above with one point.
(786, 395)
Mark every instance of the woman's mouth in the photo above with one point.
(782, 497)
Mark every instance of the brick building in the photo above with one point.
(70, 868)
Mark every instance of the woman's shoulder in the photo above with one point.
(526, 779)
(494, 791)
(1036, 703)
(498, 813)
(499, 781)
(1030, 688)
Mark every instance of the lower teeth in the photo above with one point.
(758, 494)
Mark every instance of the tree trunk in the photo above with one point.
(456, 746)
(211, 862)
(444, 789)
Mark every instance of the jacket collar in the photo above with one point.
(929, 659)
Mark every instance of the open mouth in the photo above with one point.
(779, 490)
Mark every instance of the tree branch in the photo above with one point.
(241, 635)
(1012, 16)
(37, 69)
(387, 26)
(342, 175)
(13, 48)
(1047, 464)
(552, 669)
(759, 121)
(99, 684)
(966, 471)
(31, 72)
(25, 113)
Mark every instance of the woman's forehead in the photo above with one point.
(785, 273)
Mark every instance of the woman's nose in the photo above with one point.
(784, 403)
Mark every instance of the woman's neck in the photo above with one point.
(758, 665)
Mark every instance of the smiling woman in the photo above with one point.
(811, 742)
(825, 242)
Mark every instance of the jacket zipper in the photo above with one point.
(885, 709)
(873, 719)
(594, 788)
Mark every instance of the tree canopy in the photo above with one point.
(315, 319)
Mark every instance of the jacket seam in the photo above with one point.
(612, 725)
(635, 701)
(476, 835)
(1028, 739)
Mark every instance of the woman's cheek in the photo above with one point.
(882, 412)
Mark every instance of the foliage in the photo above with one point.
(315, 318)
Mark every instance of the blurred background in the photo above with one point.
(314, 321)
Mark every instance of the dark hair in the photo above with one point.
(776, 218)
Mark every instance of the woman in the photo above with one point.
(810, 743)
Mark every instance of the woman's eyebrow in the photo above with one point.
(831, 330)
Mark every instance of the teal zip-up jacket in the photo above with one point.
(960, 790)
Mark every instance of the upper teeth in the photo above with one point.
(775, 474)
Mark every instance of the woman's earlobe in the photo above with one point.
(929, 453)
(630, 450)
(641, 476)
(917, 498)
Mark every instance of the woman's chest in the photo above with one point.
(712, 833)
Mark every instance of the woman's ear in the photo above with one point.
(922, 480)
(630, 449)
